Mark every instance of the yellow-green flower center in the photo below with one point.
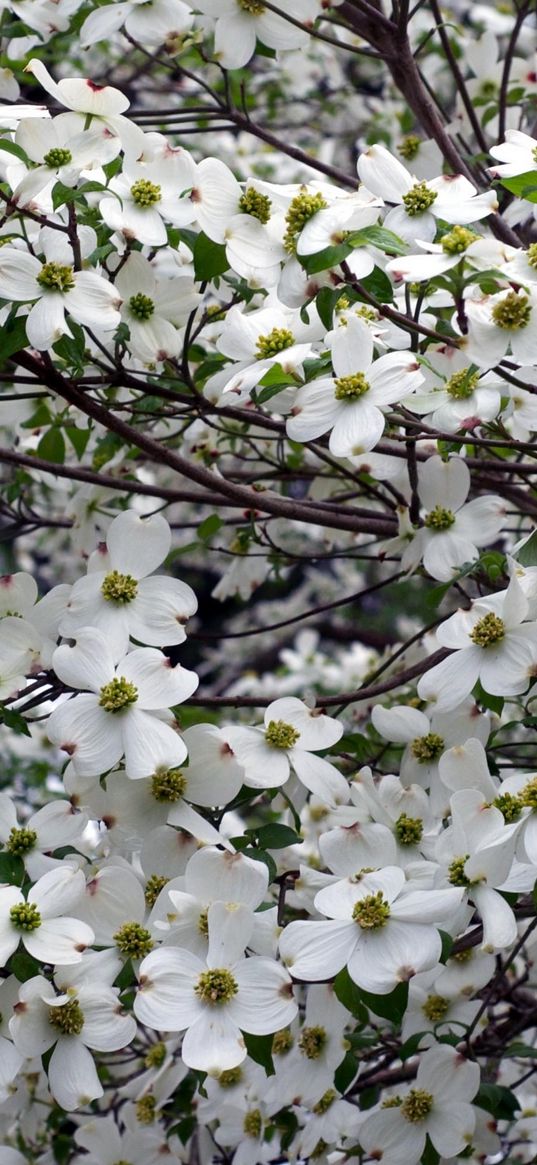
(417, 1105)
(528, 795)
(435, 1008)
(203, 923)
(408, 830)
(146, 1108)
(155, 883)
(456, 873)
(119, 588)
(254, 203)
(457, 240)
(312, 1041)
(68, 1018)
(282, 1042)
(511, 806)
(427, 748)
(141, 306)
(168, 785)
(145, 193)
(133, 940)
(531, 255)
(117, 695)
(216, 986)
(281, 735)
(229, 1077)
(371, 912)
(155, 1056)
(25, 916)
(56, 277)
(326, 1102)
(409, 147)
(462, 384)
(488, 631)
(439, 519)
(20, 841)
(252, 1123)
(418, 199)
(301, 209)
(275, 341)
(351, 387)
(57, 157)
(513, 312)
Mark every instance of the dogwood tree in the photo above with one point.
(268, 582)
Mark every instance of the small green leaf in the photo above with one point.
(13, 148)
(23, 966)
(209, 527)
(14, 720)
(277, 836)
(429, 1155)
(499, 1101)
(260, 1049)
(13, 338)
(379, 237)
(52, 446)
(11, 869)
(392, 1006)
(523, 1051)
(493, 703)
(261, 855)
(523, 185)
(379, 285)
(323, 260)
(346, 1072)
(527, 555)
(210, 258)
(350, 995)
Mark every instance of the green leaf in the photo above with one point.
(62, 1145)
(379, 237)
(523, 185)
(209, 527)
(260, 1049)
(346, 1072)
(447, 945)
(392, 1006)
(379, 285)
(12, 338)
(61, 194)
(499, 1101)
(260, 855)
(210, 258)
(14, 720)
(411, 1045)
(350, 996)
(524, 1051)
(275, 836)
(325, 302)
(329, 257)
(23, 966)
(11, 869)
(527, 555)
(429, 1155)
(13, 148)
(78, 438)
(52, 446)
(493, 703)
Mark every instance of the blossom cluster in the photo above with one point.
(269, 903)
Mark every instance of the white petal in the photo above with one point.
(72, 1074)
(136, 545)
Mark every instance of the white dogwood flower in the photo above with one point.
(117, 596)
(119, 709)
(351, 403)
(214, 1001)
